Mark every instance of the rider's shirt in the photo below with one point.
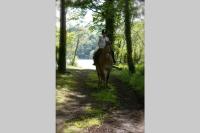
(102, 41)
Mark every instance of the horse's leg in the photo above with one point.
(105, 77)
(102, 74)
(98, 81)
(98, 74)
(108, 75)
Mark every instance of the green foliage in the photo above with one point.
(77, 3)
(136, 80)
(138, 41)
(72, 62)
(98, 22)
(106, 96)
(71, 39)
(76, 10)
(102, 95)
(86, 50)
(87, 42)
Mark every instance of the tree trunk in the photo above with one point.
(110, 15)
(73, 61)
(128, 37)
(62, 47)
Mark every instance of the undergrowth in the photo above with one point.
(136, 80)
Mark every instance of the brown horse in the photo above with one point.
(104, 65)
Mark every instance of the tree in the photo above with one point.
(62, 43)
(77, 44)
(127, 31)
(138, 47)
(110, 19)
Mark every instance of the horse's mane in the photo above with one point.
(107, 48)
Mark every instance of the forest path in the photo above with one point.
(88, 109)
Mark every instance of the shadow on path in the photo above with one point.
(124, 116)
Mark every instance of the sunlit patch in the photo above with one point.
(76, 95)
(80, 96)
(94, 111)
(92, 117)
(73, 67)
(64, 84)
(79, 125)
(60, 96)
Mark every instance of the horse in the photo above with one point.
(104, 65)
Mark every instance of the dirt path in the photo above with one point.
(127, 117)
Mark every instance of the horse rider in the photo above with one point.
(103, 40)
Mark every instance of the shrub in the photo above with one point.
(136, 80)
